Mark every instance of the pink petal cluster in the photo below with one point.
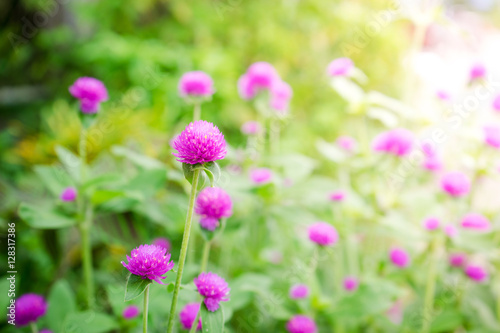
(323, 234)
(196, 84)
(212, 204)
(188, 314)
(450, 230)
(299, 291)
(261, 176)
(476, 273)
(149, 262)
(443, 95)
(496, 103)
(476, 222)
(301, 324)
(260, 76)
(68, 194)
(399, 257)
(213, 288)
(432, 161)
(91, 93)
(162, 242)
(340, 67)
(251, 128)
(457, 259)
(338, 195)
(455, 184)
(28, 308)
(492, 136)
(130, 312)
(398, 142)
(351, 283)
(347, 143)
(431, 223)
(477, 71)
(199, 143)
(281, 93)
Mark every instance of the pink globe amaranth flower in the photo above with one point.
(149, 262)
(492, 136)
(162, 242)
(477, 71)
(457, 259)
(432, 161)
(28, 308)
(431, 223)
(212, 204)
(91, 93)
(299, 291)
(46, 331)
(213, 288)
(301, 324)
(450, 230)
(196, 84)
(323, 234)
(455, 184)
(347, 143)
(340, 67)
(476, 222)
(399, 257)
(443, 95)
(476, 273)
(130, 312)
(68, 194)
(281, 93)
(398, 142)
(351, 283)
(188, 314)
(337, 196)
(395, 312)
(496, 103)
(259, 76)
(261, 176)
(199, 143)
(251, 128)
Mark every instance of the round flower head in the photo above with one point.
(347, 143)
(340, 67)
(261, 176)
(149, 262)
(130, 312)
(431, 223)
(323, 234)
(477, 71)
(455, 184)
(443, 95)
(91, 93)
(251, 128)
(188, 314)
(399, 257)
(301, 324)
(492, 136)
(496, 103)
(213, 288)
(351, 283)
(259, 76)
(476, 222)
(29, 307)
(299, 291)
(457, 259)
(200, 142)
(212, 204)
(68, 194)
(281, 93)
(196, 84)
(476, 273)
(450, 230)
(398, 142)
(162, 242)
(337, 196)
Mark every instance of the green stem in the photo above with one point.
(145, 312)
(34, 328)
(430, 287)
(197, 112)
(195, 322)
(204, 258)
(184, 247)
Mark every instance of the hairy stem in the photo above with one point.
(145, 312)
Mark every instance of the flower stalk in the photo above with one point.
(145, 312)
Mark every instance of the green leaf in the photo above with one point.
(61, 304)
(135, 286)
(213, 172)
(170, 287)
(143, 161)
(212, 322)
(41, 218)
(54, 178)
(89, 322)
(70, 161)
(188, 170)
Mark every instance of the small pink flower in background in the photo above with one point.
(455, 184)
(323, 234)
(340, 67)
(395, 312)
(149, 262)
(281, 93)
(399, 257)
(251, 128)
(450, 230)
(188, 314)
(199, 143)
(299, 291)
(496, 103)
(477, 71)
(261, 176)
(476, 273)
(476, 222)
(443, 95)
(46, 331)
(351, 283)
(301, 324)
(29, 307)
(68, 194)
(431, 223)
(347, 143)
(338, 195)
(398, 142)
(492, 136)
(457, 259)
(259, 76)
(212, 204)
(162, 242)
(130, 312)
(432, 160)
(196, 84)
(213, 288)
(91, 93)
